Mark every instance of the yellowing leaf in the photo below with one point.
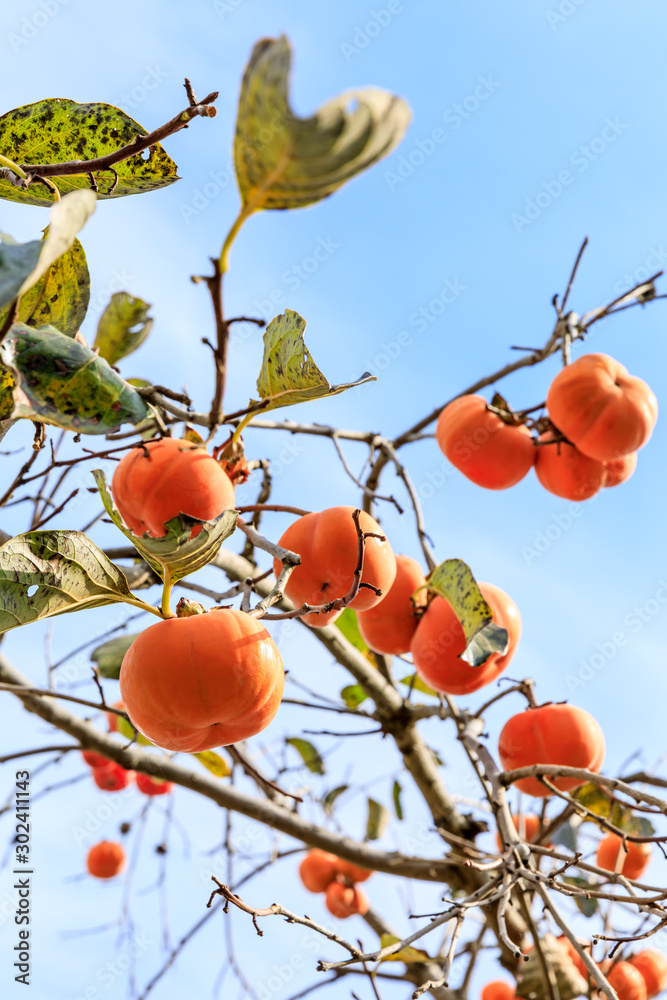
(214, 763)
(348, 624)
(454, 581)
(47, 573)
(288, 374)
(68, 217)
(123, 327)
(131, 734)
(176, 554)
(415, 682)
(378, 820)
(287, 162)
(57, 130)
(353, 695)
(407, 954)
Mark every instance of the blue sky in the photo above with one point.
(534, 124)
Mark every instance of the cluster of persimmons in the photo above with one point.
(201, 680)
(598, 418)
(337, 879)
(639, 978)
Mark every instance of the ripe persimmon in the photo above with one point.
(564, 470)
(551, 734)
(353, 873)
(152, 786)
(328, 545)
(498, 989)
(481, 445)
(612, 856)
(106, 859)
(601, 409)
(653, 966)
(191, 684)
(94, 759)
(391, 624)
(627, 981)
(620, 469)
(439, 641)
(160, 479)
(527, 825)
(111, 777)
(318, 870)
(344, 901)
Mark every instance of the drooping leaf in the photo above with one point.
(68, 217)
(407, 954)
(214, 763)
(287, 162)
(599, 802)
(377, 821)
(308, 754)
(57, 130)
(587, 904)
(47, 573)
(454, 581)
(61, 382)
(396, 795)
(60, 297)
(348, 624)
(288, 374)
(176, 554)
(330, 798)
(109, 656)
(417, 684)
(353, 695)
(132, 735)
(17, 261)
(123, 327)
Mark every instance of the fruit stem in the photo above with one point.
(138, 603)
(166, 595)
(223, 263)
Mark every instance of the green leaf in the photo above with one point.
(288, 374)
(330, 798)
(57, 130)
(454, 581)
(417, 684)
(347, 623)
(409, 955)
(637, 826)
(60, 381)
(176, 554)
(68, 217)
(377, 821)
(7, 384)
(109, 655)
(17, 261)
(353, 695)
(123, 327)
(396, 795)
(214, 763)
(309, 754)
(67, 570)
(588, 906)
(287, 162)
(565, 836)
(60, 297)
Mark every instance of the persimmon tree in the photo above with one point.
(419, 637)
